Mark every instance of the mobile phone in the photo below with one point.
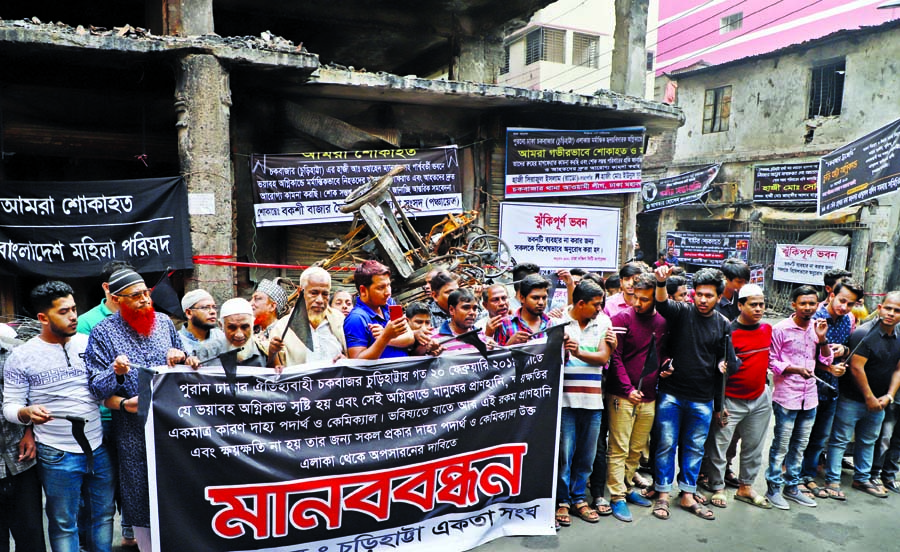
(395, 311)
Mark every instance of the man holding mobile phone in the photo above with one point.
(369, 332)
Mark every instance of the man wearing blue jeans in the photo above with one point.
(589, 344)
(836, 311)
(798, 343)
(686, 396)
(46, 377)
(870, 388)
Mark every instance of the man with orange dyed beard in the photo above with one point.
(134, 335)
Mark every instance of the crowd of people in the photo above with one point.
(654, 370)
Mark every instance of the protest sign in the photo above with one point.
(807, 264)
(308, 188)
(423, 453)
(555, 163)
(72, 229)
(561, 236)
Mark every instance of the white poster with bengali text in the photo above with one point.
(807, 264)
(561, 236)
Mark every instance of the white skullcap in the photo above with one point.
(235, 306)
(750, 290)
(191, 298)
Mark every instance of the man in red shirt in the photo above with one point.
(748, 403)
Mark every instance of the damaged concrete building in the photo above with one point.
(789, 106)
(152, 88)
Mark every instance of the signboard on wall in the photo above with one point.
(807, 264)
(554, 163)
(861, 170)
(309, 188)
(786, 182)
(675, 190)
(561, 236)
(709, 248)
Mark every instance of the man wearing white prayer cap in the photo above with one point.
(201, 336)
(237, 323)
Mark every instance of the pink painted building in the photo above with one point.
(711, 32)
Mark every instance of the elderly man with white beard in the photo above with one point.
(326, 326)
(237, 323)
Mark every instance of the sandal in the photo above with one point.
(703, 481)
(562, 516)
(698, 510)
(834, 492)
(601, 506)
(585, 512)
(719, 500)
(661, 509)
(870, 488)
(731, 480)
(698, 498)
(757, 500)
(812, 488)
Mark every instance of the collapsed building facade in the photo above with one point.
(158, 88)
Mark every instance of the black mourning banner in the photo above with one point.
(72, 229)
(675, 190)
(709, 248)
(861, 170)
(444, 453)
(786, 182)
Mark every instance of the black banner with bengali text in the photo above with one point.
(675, 190)
(72, 229)
(441, 453)
(861, 170)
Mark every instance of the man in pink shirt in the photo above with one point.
(797, 343)
(623, 300)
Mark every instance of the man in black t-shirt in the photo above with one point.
(864, 394)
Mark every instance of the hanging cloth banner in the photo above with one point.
(423, 453)
(861, 170)
(675, 190)
(72, 229)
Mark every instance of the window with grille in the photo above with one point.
(716, 109)
(545, 45)
(826, 91)
(504, 69)
(731, 22)
(586, 50)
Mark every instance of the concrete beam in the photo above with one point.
(477, 59)
(203, 104)
(332, 131)
(629, 58)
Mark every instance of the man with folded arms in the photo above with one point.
(748, 402)
(870, 388)
(46, 380)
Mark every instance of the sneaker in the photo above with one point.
(777, 499)
(793, 494)
(635, 498)
(891, 485)
(620, 510)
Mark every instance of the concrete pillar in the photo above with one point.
(629, 58)
(203, 104)
(188, 17)
(477, 59)
(629, 226)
